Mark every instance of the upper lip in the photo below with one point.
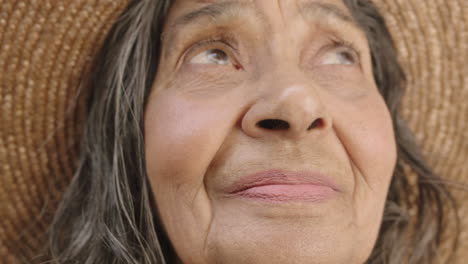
(283, 177)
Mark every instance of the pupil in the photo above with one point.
(218, 55)
(347, 57)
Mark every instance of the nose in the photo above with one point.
(291, 111)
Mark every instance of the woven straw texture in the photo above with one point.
(47, 45)
(432, 41)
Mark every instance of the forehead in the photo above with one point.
(257, 3)
(186, 11)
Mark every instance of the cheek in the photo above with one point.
(177, 138)
(364, 129)
(181, 138)
(370, 141)
(366, 132)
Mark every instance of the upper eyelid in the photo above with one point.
(339, 43)
(208, 42)
(229, 45)
(353, 51)
(336, 43)
(218, 43)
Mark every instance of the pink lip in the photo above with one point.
(284, 186)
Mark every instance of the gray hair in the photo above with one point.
(108, 214)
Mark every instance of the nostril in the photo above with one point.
(316, 123)
(273, 124)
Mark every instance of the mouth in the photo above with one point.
(284, 186)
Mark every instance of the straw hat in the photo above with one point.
(47, 46)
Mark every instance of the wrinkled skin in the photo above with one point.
(267, 60)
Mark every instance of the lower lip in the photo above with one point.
(288, 193)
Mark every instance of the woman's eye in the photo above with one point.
(341, 57)
(211, 56)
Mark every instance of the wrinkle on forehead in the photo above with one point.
(213, 15)
(324, 10)
(280, 9)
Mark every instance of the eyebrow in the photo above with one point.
(311, 9)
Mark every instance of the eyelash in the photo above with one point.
(226, 40)
(356, 53)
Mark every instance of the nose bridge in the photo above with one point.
(289, 104)
(286, 84)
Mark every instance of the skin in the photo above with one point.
(269, 60)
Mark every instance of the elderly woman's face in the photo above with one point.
(267, 140)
